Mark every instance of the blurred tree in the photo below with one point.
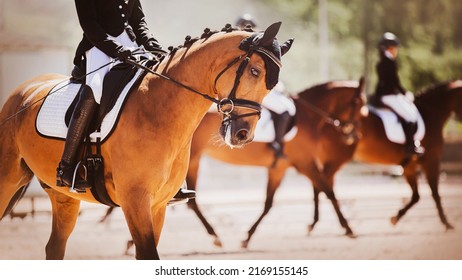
(432, 27)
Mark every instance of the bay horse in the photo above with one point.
(327, 117)
(147, 155)
(436, 105)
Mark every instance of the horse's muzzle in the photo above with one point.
(236, 134)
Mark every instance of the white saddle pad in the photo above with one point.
(50, 120)
(394, 129)
(264, 132)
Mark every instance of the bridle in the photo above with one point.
(348, 128)
(232, 101)
(227, 105)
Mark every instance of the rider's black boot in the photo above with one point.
(281, 125)
(411, 147)
(67, 176)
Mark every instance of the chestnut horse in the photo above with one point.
(327, 117)
(147, 155)
(436, 105)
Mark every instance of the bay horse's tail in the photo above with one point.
(14, 200)
(15, 175)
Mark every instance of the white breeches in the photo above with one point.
(96, 58)
(402, 105)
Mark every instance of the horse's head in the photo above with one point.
(338, 104)
(242, 82)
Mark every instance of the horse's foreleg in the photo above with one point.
(65, 211)
(316, 209)
(323, 181)
(136, 206)
(106, 216)
(192, 204)
(275, 176)
(411, 178)
(191, 181)
(329, 172)
(432, 174)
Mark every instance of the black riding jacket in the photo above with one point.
(101, 17)
(388, 79)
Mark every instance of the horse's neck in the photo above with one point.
(164, 101)
(309, 113)
(438, 106)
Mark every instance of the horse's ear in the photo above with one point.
(286, 46)
(269, 34)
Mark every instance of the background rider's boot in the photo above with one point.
(281, 125)
(410, 128)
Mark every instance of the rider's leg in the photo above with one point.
(281, 125)
(81, 116)
(410, 146)
(407, 114)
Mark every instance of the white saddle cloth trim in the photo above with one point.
(279, 103)
(51, 117)
(394, 129)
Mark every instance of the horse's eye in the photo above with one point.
(254, 72)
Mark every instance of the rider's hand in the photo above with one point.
(154, 47)
(125, 55)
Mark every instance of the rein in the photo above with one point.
(345, 127)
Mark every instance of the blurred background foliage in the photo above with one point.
(430, 32)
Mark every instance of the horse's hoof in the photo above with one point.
(217, 243)
(394, 220)
(310, 229)
(350, 234)
(244, 244)
(449, 227)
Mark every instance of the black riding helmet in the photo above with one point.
(388, 39)
(244, 20)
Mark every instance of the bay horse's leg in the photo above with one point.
(325, 182)
(136, 206)
(432, 172)
(65, 211)
(275, 175)
(329, 171)
(316, 208)
(106, 216)
(410, 174)
(191, 181)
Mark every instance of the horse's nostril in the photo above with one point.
(242, 134)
